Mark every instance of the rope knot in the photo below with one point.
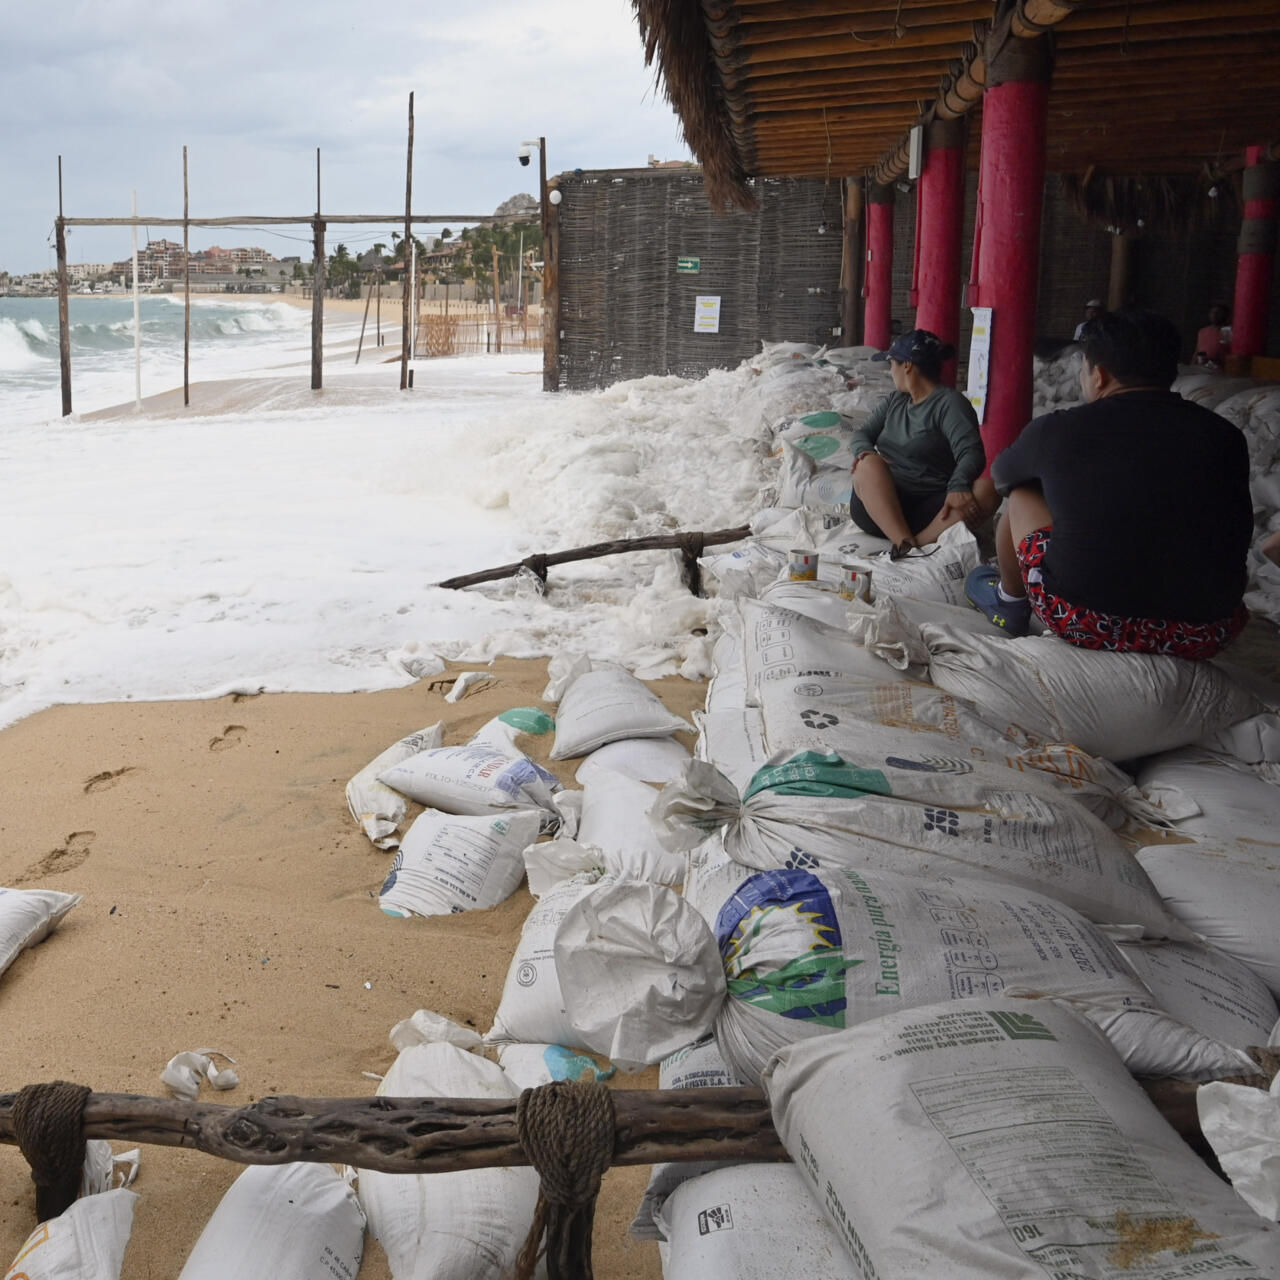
(567, 1131)
(48, 1121)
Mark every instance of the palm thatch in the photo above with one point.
(675, 36)
(1160, 205)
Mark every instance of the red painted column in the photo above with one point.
(938, 235)
(877, 324)
(1256, 249)
(1011, 196)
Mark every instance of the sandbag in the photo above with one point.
(1205, 988)
(803, 481)
(375, 806)
(646, 759)
(449, 1226)
(607, 705)
(1117, 705)
(1003, 1138)
(727, 688)
(919, 815)
(805, 954)
(28, 917)
(1211, 797)
(639, 973)
(529, 1065)
(933, 572)
(615, 821)
(745, 571)
(282, 1222)
(697, 1066)
(733, 741)
(532, 1007)
(86, 1242)
(750, 1222)
(818, 600)
(473, 780)
(448, 863)
(1228, 893)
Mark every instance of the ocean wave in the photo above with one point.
(15, 347)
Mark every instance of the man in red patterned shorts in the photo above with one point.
(1128, 519)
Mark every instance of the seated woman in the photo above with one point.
(918, 458)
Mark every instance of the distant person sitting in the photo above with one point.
(1128, 521)
(1092, 310)
(1213, 342)
(916, 458)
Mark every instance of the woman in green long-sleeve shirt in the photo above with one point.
(918, 457)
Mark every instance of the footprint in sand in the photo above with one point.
(104, 781)
(232, 736)
(67, 858)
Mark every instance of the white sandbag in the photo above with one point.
(532, 1007)
(1211, 797)
(733, 741)
(1205, 988)
(1117, 705)
(805, 954)
(502, 731)
(779, 644)
(607, 705)
(449, 1226)
(375, 806)
(529, 1065)
(551, 862)
(727, 688)
(282, 1222)
(1003, 1138)
(639, 972)
(933, 572)
(890, 628)
(744, 571)
(562, 670)
(820, 601)
(28, 917)
(825, 436)
(803, 481)
(86, 1242)
(908, 719)
(615, 820)
(750, 1222)
(448, 863)
(1227, 893)
(1242, 1125)
(647, 759)
(1254, 740)
(698, 1066)
(473, 780)
(920, 816)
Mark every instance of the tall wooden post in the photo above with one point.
(186, 285)
(878, 314)
(408, 245)
(938, 231)
(1121, 269)
(1256, 250)
(64, 307)
(1011, 197)
(550, 277)
(497, 305)
(317, 292)
(851, 263)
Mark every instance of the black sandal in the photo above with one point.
(901, 550)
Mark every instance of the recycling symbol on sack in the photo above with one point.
(527, 974)
(814, 719)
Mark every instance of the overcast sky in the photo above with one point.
(118, 86)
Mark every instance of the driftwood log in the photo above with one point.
(690, 546)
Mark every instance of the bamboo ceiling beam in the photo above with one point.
(246, 220)
(865, 26)
(940, 37)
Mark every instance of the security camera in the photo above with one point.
(523, 154)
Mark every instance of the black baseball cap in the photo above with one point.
(919, 346)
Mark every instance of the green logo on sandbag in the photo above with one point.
(528, 720)
(818, 773)
(810, 987)
(1020, 1026)
(817, 447)
(824, 419)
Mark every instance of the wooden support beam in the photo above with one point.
(406, 282)
(64, 309)
(247, 220)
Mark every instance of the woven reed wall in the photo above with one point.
(625, 311)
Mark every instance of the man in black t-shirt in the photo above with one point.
(1128, 519)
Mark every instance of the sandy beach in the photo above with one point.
(229, 903)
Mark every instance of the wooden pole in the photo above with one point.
(368, 298)
(1121, 264)
(186, 285)
(851, 263)
(137, 322)
(550, 277)
(378, 308)
(408, 243)
(317, 292)
(497, 305)
(64, 306)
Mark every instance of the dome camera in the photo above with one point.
(523, 155)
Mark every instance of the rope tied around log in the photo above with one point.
(567, 1130)
(48, 1121)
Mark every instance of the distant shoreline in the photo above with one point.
(290, 299)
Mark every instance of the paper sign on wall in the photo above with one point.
(706, 313)
(979, 360)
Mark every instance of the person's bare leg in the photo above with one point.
(1026, 511)
(873, 483)
(986, 501)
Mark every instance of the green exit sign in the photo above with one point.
(688, 266)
